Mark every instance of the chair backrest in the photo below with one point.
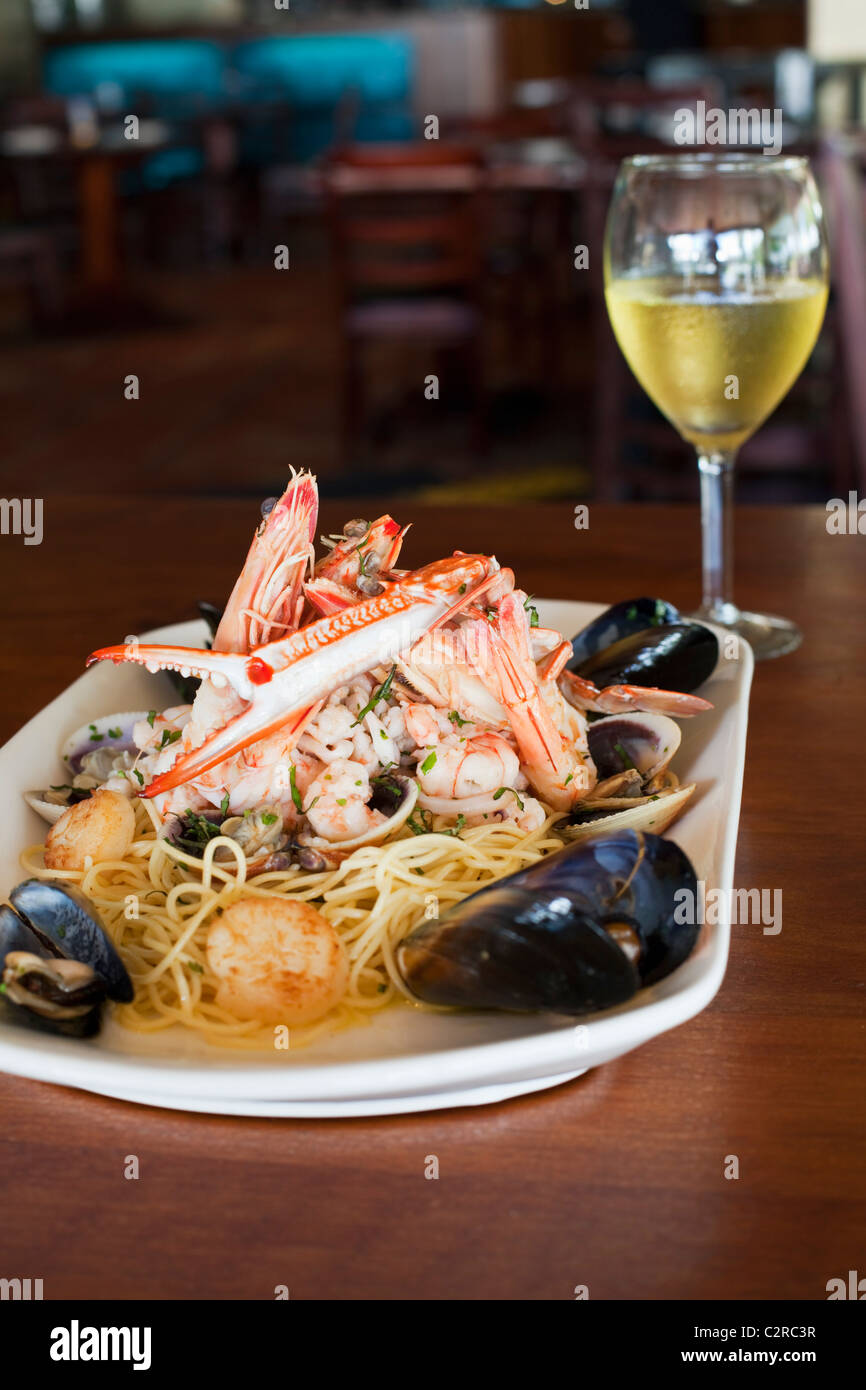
(403, 217)
(842, 163)
(599, 105)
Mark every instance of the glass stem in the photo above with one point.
(717, 522)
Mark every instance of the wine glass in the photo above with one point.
(715, 272)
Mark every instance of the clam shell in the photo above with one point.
(48, 810)
(648, 741)
(653, 816)
(76, 745)
(95, 735)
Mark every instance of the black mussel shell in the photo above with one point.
(621, 620)
(64, 919)
(16, 935)
(521, 950)
(549, 936)
(634, 877)
(674, 656)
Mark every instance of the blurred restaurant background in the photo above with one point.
(238, 203)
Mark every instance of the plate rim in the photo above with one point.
(89, 1066)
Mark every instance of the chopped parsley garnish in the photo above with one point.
(169, 736)
(455, 719)
(382, 693)
(139, 776)
(293, 786)
(224, 804)
(531, 610)
(115, 733)
(151, 716)
(622, 755)
(195, 833)
(194, 965)
(462, 589)
(457, 826)
(424, 824)
(501, 792)
(429, 762)
(268, 818)
(341, 800)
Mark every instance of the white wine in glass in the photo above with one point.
(716, 286)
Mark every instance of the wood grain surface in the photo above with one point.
(615, 1181)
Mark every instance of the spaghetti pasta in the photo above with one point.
(158, 903)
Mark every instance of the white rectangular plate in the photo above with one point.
(404, 1060)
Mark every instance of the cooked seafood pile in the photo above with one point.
(344, 700)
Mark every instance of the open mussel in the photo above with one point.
(66, 922)
(644, 642)
(582, 930)
(57, 964)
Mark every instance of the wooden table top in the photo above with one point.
(615, 1180)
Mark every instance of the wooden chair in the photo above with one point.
(842, 170)
(404, 228)
(611, 118)
(29, 258)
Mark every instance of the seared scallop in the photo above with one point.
(100, 828)
(277, 961)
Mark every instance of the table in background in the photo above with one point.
(616, 1180)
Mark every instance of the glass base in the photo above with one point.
(767, 636)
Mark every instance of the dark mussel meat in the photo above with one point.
(39, 989)
(67, 925)
(582, 930)
(644, 642)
